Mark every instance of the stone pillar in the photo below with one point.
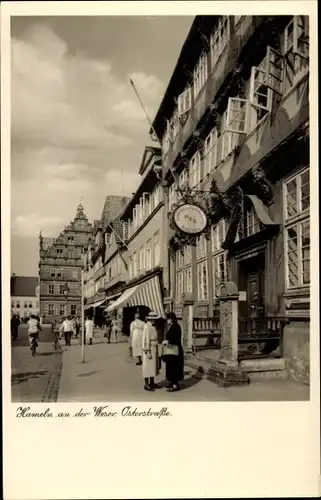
(226, 371)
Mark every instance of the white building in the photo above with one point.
(24, 296)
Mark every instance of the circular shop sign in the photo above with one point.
(190, 219)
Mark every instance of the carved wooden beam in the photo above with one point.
(262, 183)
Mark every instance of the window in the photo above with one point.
(195, 170)
(70, 238)
(142, 259)
(179, 286)
(237, 115)
(202, 282)
(200, 247)
(30, 304)
(135, 264)
(51, 289)
(51, 309)
(130, 267)
(179, 259)
(172, 196)
(229, 139)
(187, 257)
(218, 233)
(148, 255)
(174, 126)
(37, 305)
(156, 249)
(251, 223)
(73, 309)
(59, 251)
(219, 271)
(25, 304)
(183, 178)
(62, 309)
(52, 273)
(200, 74)
(219, 39)
(296, 50)
(188, 286)
(58, 273)
(13, 304)
(210, 152)
(61, 289)
(184, 101)
(297, 229)
(260, 94)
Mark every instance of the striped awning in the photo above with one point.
(146, 294)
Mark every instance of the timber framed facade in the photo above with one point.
(234, 124)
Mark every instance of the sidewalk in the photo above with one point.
(108, 375)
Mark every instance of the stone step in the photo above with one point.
(262, 365)
(269, 375)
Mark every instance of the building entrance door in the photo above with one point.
(252, 281)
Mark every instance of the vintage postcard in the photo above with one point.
(160, 249)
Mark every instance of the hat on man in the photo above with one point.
(152, 315)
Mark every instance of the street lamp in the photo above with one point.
(66, 293)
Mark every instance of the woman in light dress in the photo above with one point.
(89, 329)
(150, 366)
(136, 338)
(114, 330)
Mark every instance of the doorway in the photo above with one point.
(252, 282)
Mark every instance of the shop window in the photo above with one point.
(202, 281)
(195, 170)
(200, 74)
(297, 229)
(210, 152)
(219, 39)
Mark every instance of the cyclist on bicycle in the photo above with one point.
(33, 330)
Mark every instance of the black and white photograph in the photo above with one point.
(160, 208)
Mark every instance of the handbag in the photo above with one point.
(170, 350)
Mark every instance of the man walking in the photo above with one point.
(15, 322)
(67, 327)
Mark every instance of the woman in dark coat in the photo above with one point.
(174, 363)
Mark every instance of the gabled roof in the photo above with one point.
(23, 286)
(150, 152)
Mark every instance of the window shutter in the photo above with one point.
(237, 116)
(185, 101)
(274, 70)
(300, 36)
(257, 92)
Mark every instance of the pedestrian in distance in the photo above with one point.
(89, 329)
(107, 333)
(15, 322)
(136, 339)
(150, 365)
(173, 354)
(33, 332)
(114, 330)
(77, 327)
(67, 327)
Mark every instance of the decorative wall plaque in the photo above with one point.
(190, 219)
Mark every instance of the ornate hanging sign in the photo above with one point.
(190, 219)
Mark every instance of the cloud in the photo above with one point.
(124, 183)
(31, 224)
(73, 121)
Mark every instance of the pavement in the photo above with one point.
(34, 379)
(108, 375)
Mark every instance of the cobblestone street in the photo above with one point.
(34, 379)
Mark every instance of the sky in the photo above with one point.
(77, 129)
